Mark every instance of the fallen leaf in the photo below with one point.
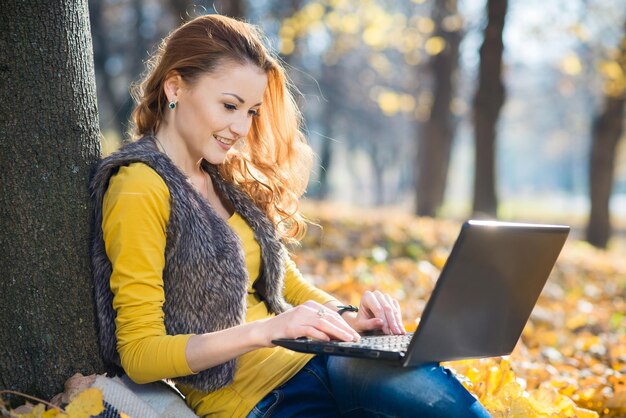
(88, 403)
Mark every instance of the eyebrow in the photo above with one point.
(242, 101)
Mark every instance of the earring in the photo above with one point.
(172, 105)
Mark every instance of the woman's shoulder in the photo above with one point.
(137, 177)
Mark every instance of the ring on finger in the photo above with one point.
(321, 312)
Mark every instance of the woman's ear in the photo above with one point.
(172, 85)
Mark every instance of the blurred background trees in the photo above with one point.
(405, 101)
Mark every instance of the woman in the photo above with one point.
(192, 279)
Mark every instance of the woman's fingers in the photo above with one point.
(373, 309)
(386, 308)
(313, 320)
(399, 316)
(312, 332)
(332, 324)
(395, 318)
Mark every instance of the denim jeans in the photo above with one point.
(331, 386)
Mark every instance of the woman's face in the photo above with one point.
(217, 109)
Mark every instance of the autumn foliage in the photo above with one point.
(571, 359)
(87, 403)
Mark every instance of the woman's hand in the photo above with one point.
(377, 311)
(310, 319)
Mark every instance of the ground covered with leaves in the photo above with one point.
(571, 359)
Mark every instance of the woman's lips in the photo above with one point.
(226, 143)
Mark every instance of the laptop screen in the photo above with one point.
(486, 291)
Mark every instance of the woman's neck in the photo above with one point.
(174, 147)
(201, 180)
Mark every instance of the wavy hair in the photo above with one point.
(274, 164)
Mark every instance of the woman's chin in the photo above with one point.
(215, 157)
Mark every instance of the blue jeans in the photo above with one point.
(331, 386)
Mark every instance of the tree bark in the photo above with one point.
(488, 101)
(437, 133)
(48, 146)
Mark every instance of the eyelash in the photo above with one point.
(232, 107)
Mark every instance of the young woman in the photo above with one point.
(192, 279)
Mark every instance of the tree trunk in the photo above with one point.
(607, 130)
(48, 146)
(329, 90)
(328, 121)
(488, 101)
(437, 132)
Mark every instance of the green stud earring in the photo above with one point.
(172, 105)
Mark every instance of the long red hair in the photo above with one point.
(274, 164)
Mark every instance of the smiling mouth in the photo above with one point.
(225, 141)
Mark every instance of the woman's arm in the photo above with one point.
(309, 319)
(208, 350)
(135, 215)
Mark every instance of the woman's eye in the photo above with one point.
(253, 113)
(229, 106)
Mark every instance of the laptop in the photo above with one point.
(479, 305)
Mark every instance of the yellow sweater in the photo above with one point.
(136, 210)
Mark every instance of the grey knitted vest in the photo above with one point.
(205, 278)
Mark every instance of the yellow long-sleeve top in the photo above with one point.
(136, 210)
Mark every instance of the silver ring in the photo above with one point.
(321, 312)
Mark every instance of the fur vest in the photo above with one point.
(205, 278)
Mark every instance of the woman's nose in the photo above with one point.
(241, 126)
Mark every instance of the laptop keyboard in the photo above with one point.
(398, 343)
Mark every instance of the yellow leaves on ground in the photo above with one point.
(571, 358)
(86, 404)
(503, 394)
(40, 411)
